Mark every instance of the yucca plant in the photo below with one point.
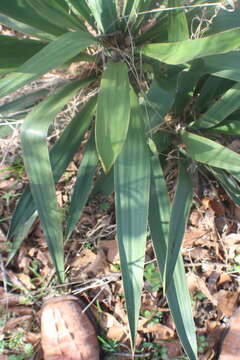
(167, 86)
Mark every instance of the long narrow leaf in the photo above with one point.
(24, 28)
(105, 14)
(51, 56)
(177, 23)
(209, 152)
(228, 183)
(112, 116)
(221, 109)
(59, 158)
(188, 50)
(224, 65)
(38, 167)
(178, 220)
(83, 185)
(19, 10)
(177, 293)
(15, 52)
(55, 14)
(132, 181)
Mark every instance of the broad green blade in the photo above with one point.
(104, 184)
(209, 152)
(59, 158)
(55, 14)
(22, 234)
(178, 220)
(231, 127)
(184, 51)
(51, 56)
(159, 102)
(221, 109)
(132, 181)
(130, 8)
(228, 183)
(225, 20)
(22, 102)
(19, 10)
(83, 185)
(38, 167)
(177, 293)
(177, 23)
(15, 52)
(24, 28)
(113, 113)
(187, 82)
(224, 65)
(105, 14)
(213, 88)
(83, 10)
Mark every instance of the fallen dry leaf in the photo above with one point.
(14, 322)
(196, 283)
(26, 281)
(226, 302)
(67, 332)
(231, 344)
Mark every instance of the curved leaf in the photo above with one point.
(38, 167)
(177, 23)
(59, 158)
(24, 28)
(178, 219)
(83, 185)
(188, 50)
(112, 115)
(209, 152)
(51, 56)
(220, 110)
(15, 52)
(177, 292)
(19, 10)
(132, 181)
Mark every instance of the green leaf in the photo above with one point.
(104, 184)
(132, 181)
(231, 127)
(105, 14)
(177, 293)
(177, 23)
(15, 52)
(178, 220)
(221, 109)
(19, 10)
(51, 56)
(158, 102)
(59, 158)
(83, 10)
(209, 152)
(130, 8)
(22, 234)
(112, 116)
(224, 65)
(24, 28)
(212, 88)
(225, 20)
(35, 152)
(228, 183)
(22, 102)
(184, 51)
(82, 186)
(55, 14)
(187, 81)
